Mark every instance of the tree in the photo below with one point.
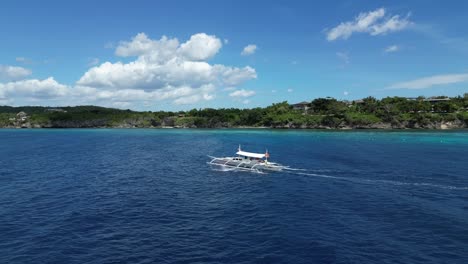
(445, 107)
(320, 105)
(329, 106)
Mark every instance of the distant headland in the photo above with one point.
(439, 112)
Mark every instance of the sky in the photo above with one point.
(179, 55)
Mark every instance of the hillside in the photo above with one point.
(321, 113)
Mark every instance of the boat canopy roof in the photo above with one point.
(250, 154)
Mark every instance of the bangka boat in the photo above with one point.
(247, 161)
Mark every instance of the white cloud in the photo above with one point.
(232, 76)
(128, 97)
(345, 93)
(395, 23)
(180, 95)
(392, 48)
(242, 93)
(373, 22)
(162, 70)
(343, 56)
(167, 64)
(290, 90)
(13, 73)
(430, 81)
(145, 75)
(42, 89)
(230, 88)
(204, 95)
(155, 50)
(200, 47)
(249, 50)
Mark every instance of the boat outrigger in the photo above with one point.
(247, 161)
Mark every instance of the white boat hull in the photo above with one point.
(236, 163)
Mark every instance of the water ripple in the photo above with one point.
(147, 196)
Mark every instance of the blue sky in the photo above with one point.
(228, 53)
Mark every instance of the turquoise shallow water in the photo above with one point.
(148, 196)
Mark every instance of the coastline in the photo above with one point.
(326, 114)
(347, 128)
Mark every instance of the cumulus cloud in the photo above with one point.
(392, 48)
(249, 50)
(12, 73)
(42, 89)
(162, 69)
(166, 63)
(242, 93)
(431, 81)
(232, 76)
(200, 47)
(180, 95)
(373, 22)
(155, 50)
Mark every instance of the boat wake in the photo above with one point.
(258, 163)
(304, 172)
(389, 182)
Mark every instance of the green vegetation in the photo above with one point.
(390, 112)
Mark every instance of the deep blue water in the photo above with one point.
(148, 196)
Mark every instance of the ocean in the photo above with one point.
(149, 196)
